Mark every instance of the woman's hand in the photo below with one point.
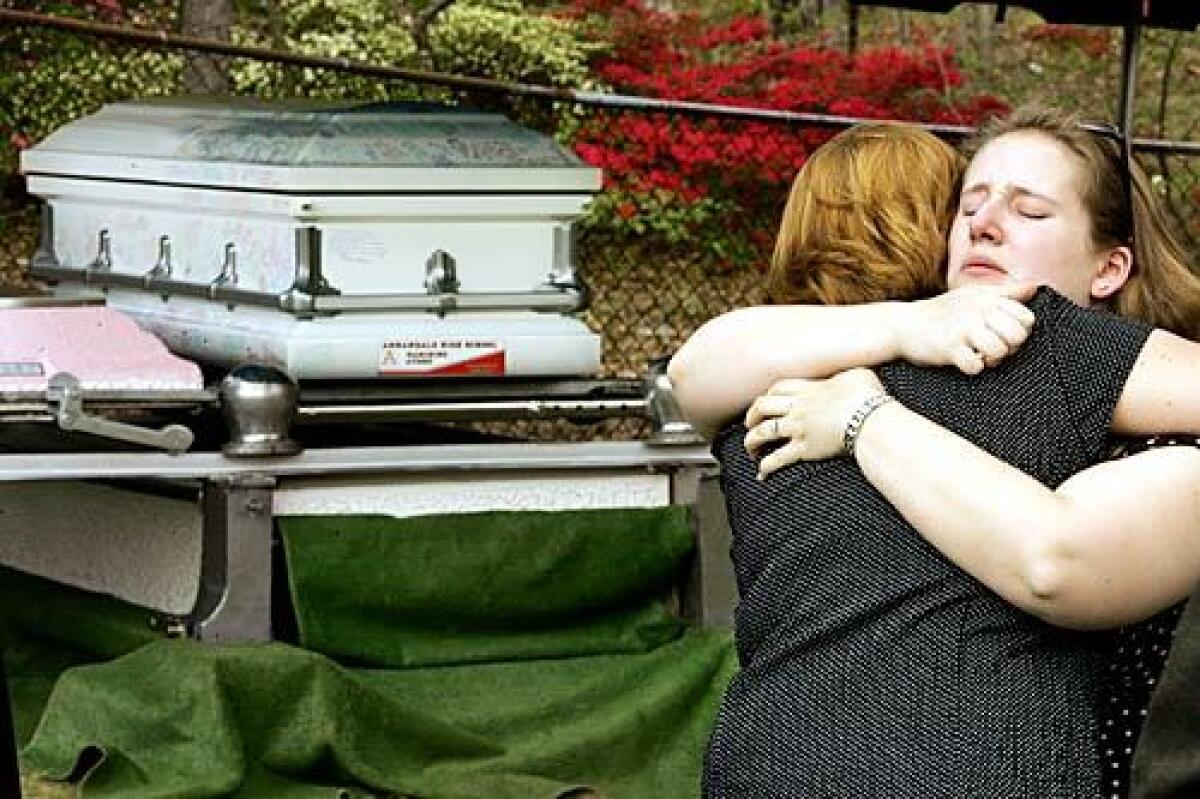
(969, 328)
(808, 416)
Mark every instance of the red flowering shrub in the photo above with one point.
(720, 185)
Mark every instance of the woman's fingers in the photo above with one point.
(769, 429)
(1013, 330)
(791, 452)
(989, 335)
(991, 321)
(1018, 311)
(766, 407)
(998, 335)
(989, 345)
(966, 359)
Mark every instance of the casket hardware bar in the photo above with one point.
(65, 395)
(162, 286)
(552, 298)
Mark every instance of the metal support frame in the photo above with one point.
(709, 590)
(233, 602)
(461, 458)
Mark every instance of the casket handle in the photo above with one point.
(103, 260)
(45, 252)
(228, 275)
(162, 267)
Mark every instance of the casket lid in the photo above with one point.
(309, 147)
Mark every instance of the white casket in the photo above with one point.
(335, 242)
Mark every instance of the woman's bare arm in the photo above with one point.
(733, 358)
(737, 356)
(1113, 544)
(1162, 394)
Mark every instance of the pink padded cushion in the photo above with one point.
(100, 346)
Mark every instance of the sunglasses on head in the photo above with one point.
(1124, 145)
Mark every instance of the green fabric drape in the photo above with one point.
(525, 654)
(236, 720)
(47, 628)
(482, 587)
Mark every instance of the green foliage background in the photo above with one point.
(48, 78)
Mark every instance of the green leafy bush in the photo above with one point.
(498, 40)
(48, 78)
(358, 30)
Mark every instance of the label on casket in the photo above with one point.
(441, 356)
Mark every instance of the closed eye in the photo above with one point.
(968, 207)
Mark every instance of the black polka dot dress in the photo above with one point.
(1138, 657)
(871, 665)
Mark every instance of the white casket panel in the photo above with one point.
(222, 228)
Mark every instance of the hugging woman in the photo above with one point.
(877, 658)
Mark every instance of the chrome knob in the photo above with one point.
(258, 403)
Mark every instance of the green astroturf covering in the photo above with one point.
(485, 587)
(523, 654)
(46, 628)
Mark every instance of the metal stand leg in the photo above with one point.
(10, 775)
(709, 592)
(234, 600)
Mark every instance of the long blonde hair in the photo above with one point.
(1162, 289)
(867, 219)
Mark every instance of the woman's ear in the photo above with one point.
(1114, 271)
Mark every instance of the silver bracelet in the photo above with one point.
(859, 417)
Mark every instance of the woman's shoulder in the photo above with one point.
(1052, 309)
